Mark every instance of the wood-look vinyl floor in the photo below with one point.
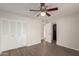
(42, 49)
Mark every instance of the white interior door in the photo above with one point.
(48, 32)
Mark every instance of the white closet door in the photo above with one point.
(13, 34)
(21, 34)
(8, 40)
(4, 35)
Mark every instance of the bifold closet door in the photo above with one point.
(13, 34)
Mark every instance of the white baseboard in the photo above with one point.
(30, 44)
(67, 46)
(48, 41)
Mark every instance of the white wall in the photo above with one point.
(17, 31)
(68, 32)
(34, 32)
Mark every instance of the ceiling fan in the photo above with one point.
(44, 10)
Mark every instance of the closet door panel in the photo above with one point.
(21, 34)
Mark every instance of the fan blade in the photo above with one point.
(34, 10)
(48, 14)
(52, 9)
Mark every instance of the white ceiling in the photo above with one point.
(23, 9)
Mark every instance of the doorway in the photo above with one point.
(54, 37)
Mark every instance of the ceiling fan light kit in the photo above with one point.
(42, 13)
